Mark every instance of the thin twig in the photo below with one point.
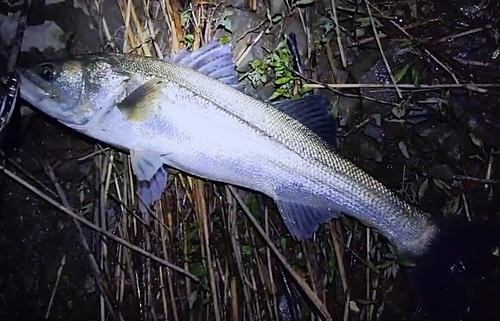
(56, 285)
(303, 285)
(395, 24)
(92, 262)
(95, 227)
(337, 32)
(381, 49)
(473, 87)
(462, 34)
(477, 179)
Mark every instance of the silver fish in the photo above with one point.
(189, 114)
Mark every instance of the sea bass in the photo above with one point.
(188, 113)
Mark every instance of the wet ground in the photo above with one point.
(436, 148)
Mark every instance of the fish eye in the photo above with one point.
(47, 72)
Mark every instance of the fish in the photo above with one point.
(190, 113)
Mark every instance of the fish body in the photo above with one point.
(188, 113)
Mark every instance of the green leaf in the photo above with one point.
(403, 149)
(277, 66)
(282, 242)
(399, 110)
(224, 39)
(440, 184)
(365, 22)
(454, 205)
(253, 204)
(283, 80)
(191, 234)
(384, 265)
(192, 298)
(225, 21)
(399, 75)
(197, 269)
(87, 209)
(304, 2)
(185, 16)
(415, 76)
(281, 45)
(423, 188)
(255, 64)
(247, 250)
(277, 18)
(476, 140)
(305, 90)
(188, 39)
(276, 94)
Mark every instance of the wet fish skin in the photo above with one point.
(187, 114)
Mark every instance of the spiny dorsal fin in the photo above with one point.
(213, 59)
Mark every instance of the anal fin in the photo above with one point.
(302, 220)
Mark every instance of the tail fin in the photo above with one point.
(455, 278)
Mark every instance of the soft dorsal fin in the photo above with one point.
(213, 59)
(315, 112)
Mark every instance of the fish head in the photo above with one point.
(73, 91)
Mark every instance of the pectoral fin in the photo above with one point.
(148, 167)
(142, 103)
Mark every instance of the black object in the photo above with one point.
(291, 41)
(457, 279)
(9, 97)
(8, 100)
